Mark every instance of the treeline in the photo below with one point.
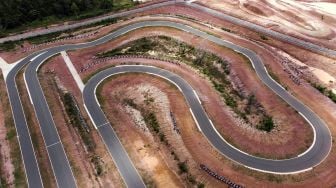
(16, 13)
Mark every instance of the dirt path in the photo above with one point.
(6, 161)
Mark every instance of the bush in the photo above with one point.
(266, 124)
(151, 120)
(226, 29)
(200, 185)
(183, 167)
(7, 46)
(321, 88)
(10, 134)
(332, 96)
(230, 101)
(263, 37)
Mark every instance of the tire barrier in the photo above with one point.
(294, 71)
(174, 123)
(220, 178)
(97, 61)
(82, 36)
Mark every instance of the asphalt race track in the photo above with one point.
(62, 170)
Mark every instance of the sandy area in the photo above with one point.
(312, 22)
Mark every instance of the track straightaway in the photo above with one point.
(311, 158)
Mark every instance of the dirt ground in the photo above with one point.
(149, 155)
(6, 162)
(83, 169)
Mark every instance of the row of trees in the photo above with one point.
(15, 13)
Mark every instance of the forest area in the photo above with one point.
(17, 15)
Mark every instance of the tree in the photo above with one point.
(74, 9)
(106, 4)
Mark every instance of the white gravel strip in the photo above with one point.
(73, 70)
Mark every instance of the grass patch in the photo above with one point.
(9, 45)
(77, 120)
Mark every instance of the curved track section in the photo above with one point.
(297, 164)
(62, 170)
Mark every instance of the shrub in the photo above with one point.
(266, 124)
(183, 167)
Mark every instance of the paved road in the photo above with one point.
(63, 174)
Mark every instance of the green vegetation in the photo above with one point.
(97, 162)
(77, 120)
(17, 15)
(141, 46)
(325, 91)
(7, 46)
(266, 124)
(183, 167)
(151, 120)
(200, 185)
(263, 37)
